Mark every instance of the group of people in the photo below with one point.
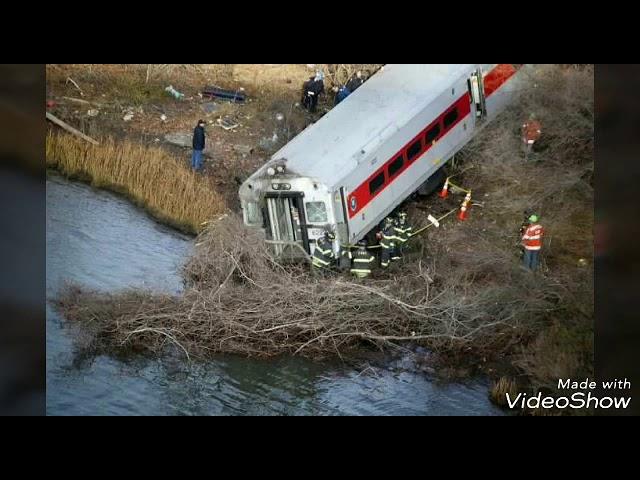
(311, 91)
(395, 231)
(348, 88)
(314, 87)
(531, 231)
(392, 238)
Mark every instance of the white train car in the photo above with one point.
(366, 156)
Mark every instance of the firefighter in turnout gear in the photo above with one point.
(402, 231)
(532, 243)
(361, 260)
(323, 256)
(387, 242)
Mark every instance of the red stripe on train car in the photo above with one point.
(362, 195)
(497, 77)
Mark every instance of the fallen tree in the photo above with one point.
(239, 300)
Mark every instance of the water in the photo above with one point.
(103, 242)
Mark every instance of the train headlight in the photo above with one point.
(271, 171)
(275, 186)
(280, 169)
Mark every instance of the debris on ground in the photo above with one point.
(228, 123)
(77, 100)
(236, 96)
(174, 93)
(52, 118)
(74, 83)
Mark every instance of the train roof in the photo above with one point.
(329, 150)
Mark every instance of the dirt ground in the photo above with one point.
(95, 99)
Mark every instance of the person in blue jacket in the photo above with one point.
(343, 92)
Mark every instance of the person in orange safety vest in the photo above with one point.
(531, 132)
(532, 243)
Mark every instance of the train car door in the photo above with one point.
(287, 224)
(476, 92)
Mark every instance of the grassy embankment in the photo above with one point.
(148, 176)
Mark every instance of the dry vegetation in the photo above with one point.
(501, 388)
(149, 176)
(239, 300)
(461, 291)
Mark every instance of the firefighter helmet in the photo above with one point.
(533, 218)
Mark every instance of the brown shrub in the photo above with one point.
(149, 176)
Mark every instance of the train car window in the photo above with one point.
(377, 183)
(396, 166)
(254, 215)
(450, 118)
(414, 149)
(316, 212)
(433, 133)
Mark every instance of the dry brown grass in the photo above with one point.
(500, 388)
(149, 176)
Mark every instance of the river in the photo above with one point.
(101, 241)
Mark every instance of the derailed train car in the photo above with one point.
(387, 140)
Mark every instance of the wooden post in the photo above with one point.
(70, 129)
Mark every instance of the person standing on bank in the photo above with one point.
(198, 146)
(531, 132)
(532, 243)
(312, 90)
